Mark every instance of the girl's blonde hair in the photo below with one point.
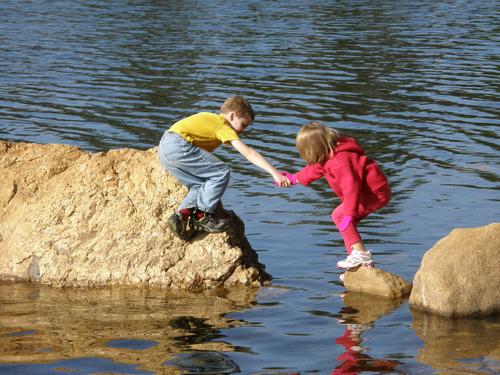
(315, 142)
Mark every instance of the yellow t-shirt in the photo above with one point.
(205, 130)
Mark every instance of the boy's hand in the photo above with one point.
(291, 177)
(280, 180)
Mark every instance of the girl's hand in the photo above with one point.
(291, 177)
(344, 223)
(280, 180)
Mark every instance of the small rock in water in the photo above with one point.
(204, 363)
(376, 281)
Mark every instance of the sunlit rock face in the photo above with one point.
(377, 282)
(459, 276)
(73, 218)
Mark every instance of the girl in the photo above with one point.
(356, 179)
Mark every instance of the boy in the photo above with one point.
(185, 151)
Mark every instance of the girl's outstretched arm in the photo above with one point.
(310, 174)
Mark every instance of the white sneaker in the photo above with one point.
(356, 259)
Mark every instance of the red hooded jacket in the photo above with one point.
(349, 172)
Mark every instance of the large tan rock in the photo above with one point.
(72, 218)
(376, 281)
(460, 275)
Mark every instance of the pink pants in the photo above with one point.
(368, 203)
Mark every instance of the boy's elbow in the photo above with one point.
(242, 148)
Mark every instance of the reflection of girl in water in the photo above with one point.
(353, 361)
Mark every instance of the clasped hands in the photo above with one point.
(292, 180)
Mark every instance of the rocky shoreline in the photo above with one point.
(69, 218)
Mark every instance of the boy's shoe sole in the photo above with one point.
(200, 226)
(182, 230)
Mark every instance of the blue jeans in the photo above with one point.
(205, 175)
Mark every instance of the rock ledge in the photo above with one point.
(73, 218)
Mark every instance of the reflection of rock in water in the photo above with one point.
(204, 363)
(82, 323)
(364, 308)
(447, 342)
(199, 331)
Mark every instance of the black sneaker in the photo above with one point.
(182, 228)
(209, 223)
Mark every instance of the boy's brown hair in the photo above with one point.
(239, 105)
(315, 142)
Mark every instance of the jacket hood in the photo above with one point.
(349, 145)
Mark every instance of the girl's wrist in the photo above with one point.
(291, 177)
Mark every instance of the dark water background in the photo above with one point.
(416, 82)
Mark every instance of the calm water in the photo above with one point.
(416, 82)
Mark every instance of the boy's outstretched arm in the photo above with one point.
(255, 158)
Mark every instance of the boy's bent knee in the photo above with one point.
(223, 174)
